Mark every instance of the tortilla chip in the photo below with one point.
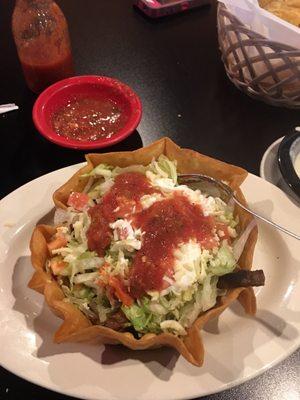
(76, 327)
(289, 10)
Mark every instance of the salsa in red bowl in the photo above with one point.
(87, 112)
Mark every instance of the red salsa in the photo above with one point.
(165, 225)
(89, 119)
(122, 199)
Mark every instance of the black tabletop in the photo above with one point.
(174, 65)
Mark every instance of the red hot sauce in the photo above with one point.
(42, 39)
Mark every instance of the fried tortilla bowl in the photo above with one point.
(76, 326)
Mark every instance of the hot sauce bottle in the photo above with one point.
(42, 39)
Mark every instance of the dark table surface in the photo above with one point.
(175, 66)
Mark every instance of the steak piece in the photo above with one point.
(241, 278)
(117, 321)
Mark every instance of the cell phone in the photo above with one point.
(160, 8)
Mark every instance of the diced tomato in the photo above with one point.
(103, 268)
(59, 241)
(57, 266)
(165, 285)
(78, 200)
(120, 291)
(103, 281)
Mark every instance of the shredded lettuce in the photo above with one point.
(149, 315)
(137, 316)
(103, 170)
(164, 168)
(141, 317)
(87, 278)
(204, 298)
(224, 261)
(131, 168)
(99, 188)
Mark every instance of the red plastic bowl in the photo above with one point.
(57, 96)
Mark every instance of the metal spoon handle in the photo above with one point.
(267, 220)
(207, 183)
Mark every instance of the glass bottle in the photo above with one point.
(42, 39)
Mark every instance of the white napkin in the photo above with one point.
(261, 21)
(8, 107)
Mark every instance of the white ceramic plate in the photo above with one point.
(237, 348)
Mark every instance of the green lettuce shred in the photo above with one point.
(165, 168)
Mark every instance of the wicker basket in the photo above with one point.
(264, 69)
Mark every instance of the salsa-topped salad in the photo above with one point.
(137, 251)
